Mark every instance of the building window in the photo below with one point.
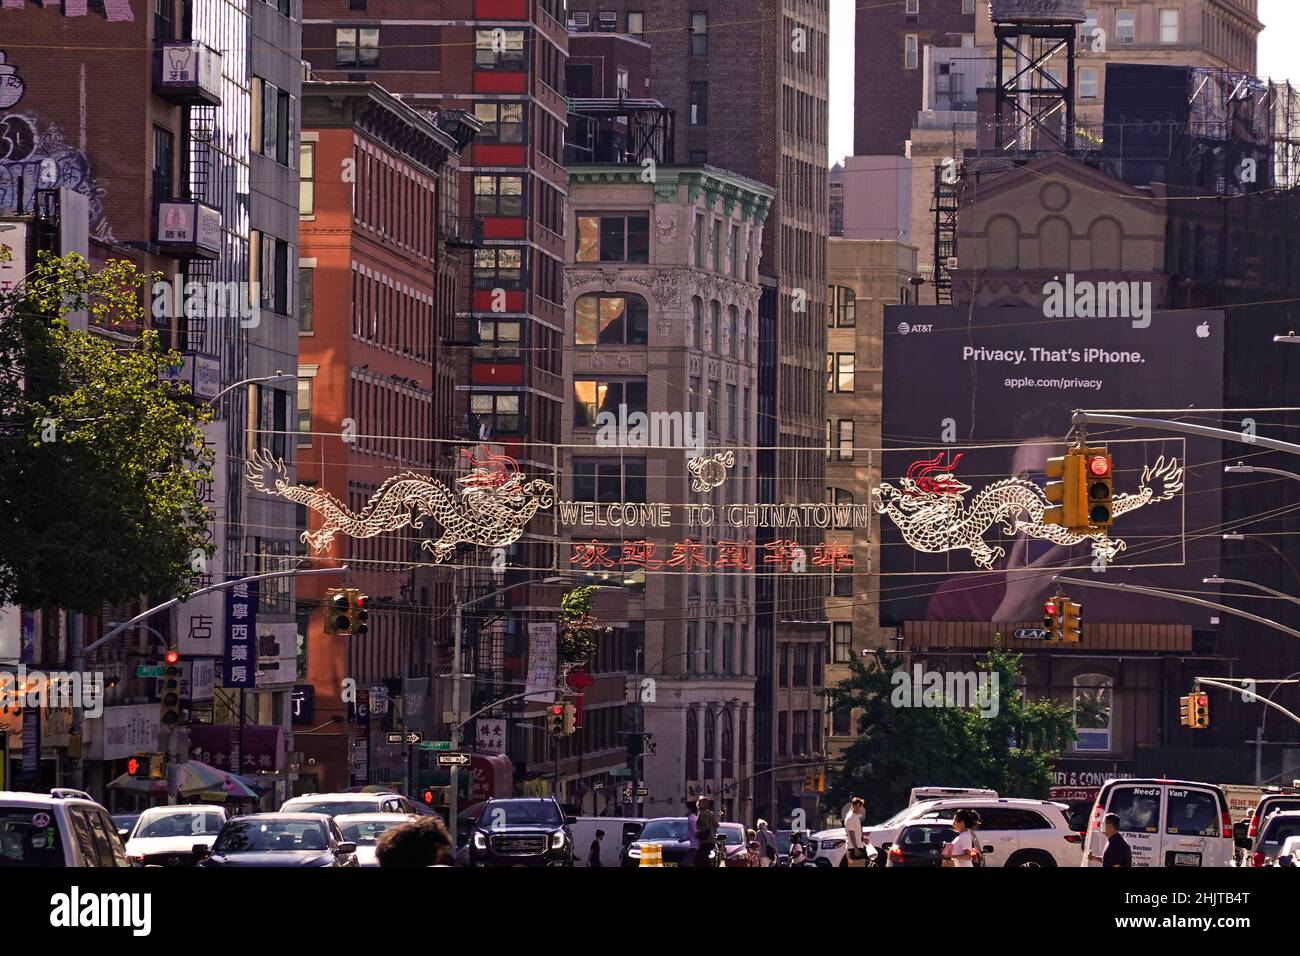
(844, 371)
(843, 308)
(609, 480)
(307, 179)
(499, 413)
(304, 409)
(713, 335)
(1093, 695)
(611, 320)
(1124, 26)
(356, 46)
(801, 665)
(613, 239)
(306, 283)
(912, 9)
(498, 267)
(498, 340)
(635, 23)
(499, 196)
(502, 122)
(699, 104)
(783, 734)
(699, 34)
(1168, 26)
(1088, 83)
(841, 723)
(841, 642)
(697, 322)
(716, 241)
(733, 251)
(967, 6)
(692, 666)
(499, 50)
(783, 669)
(800, 732)
(846, 439)
(1088, 30)
(698, 253)
(593, 396)
(911, 47)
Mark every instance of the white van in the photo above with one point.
(944, 793)
(616, 830)
(1165, 822)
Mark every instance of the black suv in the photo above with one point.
(521, 831)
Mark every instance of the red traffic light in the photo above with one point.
(1203, 700)
(428, 797)
(133, 766)
(557, 709)
(172, 656)
(1099, 466)
(1049, 609)
(361, 600)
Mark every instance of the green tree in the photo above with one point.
(901, 747)
(579, 629)
(102, 457)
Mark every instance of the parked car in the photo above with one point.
(1278, 827)
(1272, 800)
(670, 834)
(619, 831)
(521, 831)
(280, 839)
(736, 845)
(365, 829)
(167, 836)
(1165, 822)
(125, 823)
(1286, 856)
(1012, 832)
(920, 845)
(334, 804)
(62, 828)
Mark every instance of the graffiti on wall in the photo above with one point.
(34, 154)
(116, 11)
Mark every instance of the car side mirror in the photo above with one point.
(123, 834)
(570, 821)
(200, 850)
(347, 847)
(987, 849)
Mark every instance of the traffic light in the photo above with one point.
(1185, 711)
(428, 796)
(1066, 491)
(357, 613)
(169, 699)
(1051, 618)
(570, 722)
(1199, 710)
(336, 611)
(555, 720)
(1071, 621)
(137, 766)
(1100, 477)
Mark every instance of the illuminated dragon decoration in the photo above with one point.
(493, 506)
(930, 509)
(710, 471)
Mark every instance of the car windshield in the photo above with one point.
(671, 828)
(1280, 829)
(902, 815)
(735, 836)
(178, 824)
(29, 837)
(367, 832)
(331, 808)
(262, 836)
(508, 813)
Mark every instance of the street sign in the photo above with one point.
(627, 793)
(643, 791)
(598, 785)
(412, 737)
(453, 760)
(435, 744)
(148, 670)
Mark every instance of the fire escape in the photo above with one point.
(944, 206)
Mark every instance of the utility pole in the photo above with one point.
(77, 661)
(453, 801)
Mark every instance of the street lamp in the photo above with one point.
(1251, 584)
(277, 377)
(1290, 338)
(1238, 536)
(1241, 469)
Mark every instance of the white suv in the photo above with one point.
(57, 829)
(1012, 832)
(337, 804)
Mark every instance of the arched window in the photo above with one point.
(1106, 240)
(713, 334)
(1093, 698)
(620, 319)
(732, 344)
(697, 323)
(692, 745)
(843, 308)
(745, 325)
(1054, 244)
(708, 744)
(1003, 243)
(728, 739)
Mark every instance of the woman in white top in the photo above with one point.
(960, 850)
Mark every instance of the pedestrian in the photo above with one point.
(797, 855)
(593, 855)
(1118, 852)
(961, 850)
(422, 842)
(767, 849)
(856, 853)
(706, 832)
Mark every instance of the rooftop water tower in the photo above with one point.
(1035, 63)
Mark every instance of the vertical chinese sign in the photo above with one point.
(240, 662)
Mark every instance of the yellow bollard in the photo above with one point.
(652, 854)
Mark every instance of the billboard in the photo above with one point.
(975, 403)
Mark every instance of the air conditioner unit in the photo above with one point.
(950, 263)
(579, 20)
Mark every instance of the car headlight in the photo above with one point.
(557, 840)
(832, 844)
(634, 852)
(480, 840)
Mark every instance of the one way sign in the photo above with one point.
(452, 759)
(412, 737)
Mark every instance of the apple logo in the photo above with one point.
(1203, 330)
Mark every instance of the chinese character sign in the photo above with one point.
(240, 665)
(490, 737)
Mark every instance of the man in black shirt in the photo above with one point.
(593, 855)
(1117, 848)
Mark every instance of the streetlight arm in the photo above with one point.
(506, 700)
(1251, 584)
(1185, 598)
(1160, 424)
(1259, 469)
(1268, 701)
(277, 377)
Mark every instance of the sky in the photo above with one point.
(1277, 59)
